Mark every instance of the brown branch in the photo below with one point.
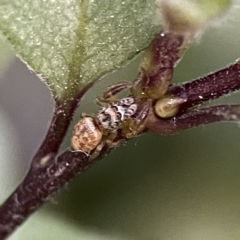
(209, 87)
(195, 93)
(193, 119)
(44, 176)
(61, 119)
(38, 185)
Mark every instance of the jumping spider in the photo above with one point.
(121, 119)
(154, 103)
(117, 120)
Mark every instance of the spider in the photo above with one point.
(117, 120)
(125, 118)
(154, 103)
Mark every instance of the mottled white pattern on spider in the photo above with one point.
(112, 115)
(88, 132)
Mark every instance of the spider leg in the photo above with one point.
(110, 140)
(110, 94)
(97, 150)
(133, 126)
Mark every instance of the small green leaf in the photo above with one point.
(71, 43)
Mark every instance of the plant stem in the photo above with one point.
(38, 185)
(209, 87)
(46, 173)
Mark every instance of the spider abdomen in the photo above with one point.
(86, 135)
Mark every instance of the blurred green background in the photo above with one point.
(180, 187)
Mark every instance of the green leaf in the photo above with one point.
(71, 43)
